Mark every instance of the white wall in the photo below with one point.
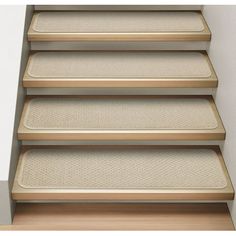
(222, 51)
(10, 58)
(12, 21)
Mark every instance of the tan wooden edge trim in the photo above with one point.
(112, 83)
(123, 196)
(118, 137)
(118, 37)
(206, 27)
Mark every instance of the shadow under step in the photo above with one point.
(127, 69)
(118, 26)
(120, 118)
(122, 173)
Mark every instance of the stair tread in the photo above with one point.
(149, 171)
(121, 216)
(103, 69)
(120, 117)
(105, 25)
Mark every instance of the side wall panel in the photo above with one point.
(222, 51)
(14, 53)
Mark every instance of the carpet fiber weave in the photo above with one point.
(132, 65)
(119, 113)
(126, 22)
(101, 168)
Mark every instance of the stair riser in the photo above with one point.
(87, 46)
(120, 91)
(118, 8)
(53, 37)
(108, 142)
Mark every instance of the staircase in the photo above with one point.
(129, 126)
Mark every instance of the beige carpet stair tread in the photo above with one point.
(121, 170)
(109, 25)
(118, 113)
(119, 116)
(89, 22)
(70, 69)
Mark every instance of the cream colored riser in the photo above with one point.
(121, 91)
(118, 7)
(125, 142)
(108, 45)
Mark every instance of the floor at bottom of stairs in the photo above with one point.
(125, 216)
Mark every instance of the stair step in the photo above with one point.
(120, 118)
(119, 69)
(122, 173)
(118, 26)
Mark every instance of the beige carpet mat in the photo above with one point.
(120, 22)
(115, 168)
(62, 65)
(117, 113)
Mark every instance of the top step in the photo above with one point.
(118, 26)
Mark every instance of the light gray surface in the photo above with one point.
(222, 52)
(6, 207)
